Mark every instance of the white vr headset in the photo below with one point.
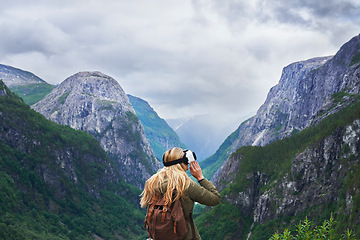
(189, 156)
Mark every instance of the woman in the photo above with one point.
(173, 177)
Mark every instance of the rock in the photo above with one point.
(303, 96)
(96, 103)
(17, 77)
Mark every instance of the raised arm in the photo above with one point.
(205, 193)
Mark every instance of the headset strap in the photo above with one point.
(181, 160)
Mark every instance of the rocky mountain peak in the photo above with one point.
(305, 92)
(96, 84)
(15, 77)
(304, 88)
(278, 116)
(96, 103)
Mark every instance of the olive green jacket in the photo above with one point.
(205, 193)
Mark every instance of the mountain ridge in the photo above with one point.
(96, 103)
(27, 85)
(313, 174)
(312, 83)
(15, 76)
(57, 182)
(305, 162)
(160, 135)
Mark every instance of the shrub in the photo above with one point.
(306, 231)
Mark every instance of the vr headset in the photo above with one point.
(189, 156)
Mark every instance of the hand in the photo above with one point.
(195, 170)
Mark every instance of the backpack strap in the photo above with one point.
(165, 208)
(148, 216)
(155, 199)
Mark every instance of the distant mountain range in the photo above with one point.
(204, 133)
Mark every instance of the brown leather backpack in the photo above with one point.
(165, 222)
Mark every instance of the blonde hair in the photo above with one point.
(176, 178)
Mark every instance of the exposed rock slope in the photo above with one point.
(304, 91)
(313, 174)
(95, 103)
(317, 176)
(304, 88)
(16, 77)
(28, 86)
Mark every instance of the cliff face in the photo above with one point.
(280, 114)
(317, 176)
(311, 174)
(304, 91)
(95, 103)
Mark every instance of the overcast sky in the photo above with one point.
(184, 57)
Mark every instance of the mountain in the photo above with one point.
(297, 157)
(305, 89)
(58, 183)
(204, 133)
(28, 86)
(160, 136)
(313, 174)
(96, 103)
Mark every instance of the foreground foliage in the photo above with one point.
(307, 231)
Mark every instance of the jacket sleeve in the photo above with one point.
(206, 194)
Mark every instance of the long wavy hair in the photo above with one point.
(176, 178)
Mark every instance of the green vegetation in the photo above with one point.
(57, 182)
(305, 230)
(32, 93)
(133, 136)
(105, 104)
(274, 160)
(318, 214)
(226, 220)
(132, 118)
(339, 97)
(214, 162)
(63, 97)
(157, 131)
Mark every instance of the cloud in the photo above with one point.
(184, 57)
(31, 36)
